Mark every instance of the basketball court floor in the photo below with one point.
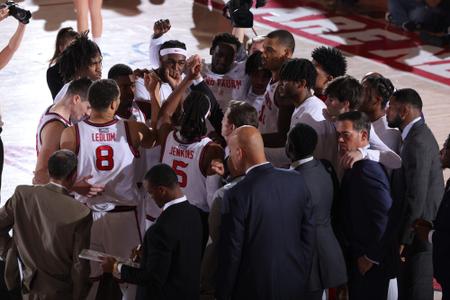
(369, 44)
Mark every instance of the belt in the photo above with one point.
(122, 208)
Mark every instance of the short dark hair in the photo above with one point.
(303, 139)
(62, 164)
(162, 175)
(241, 113)
(359, 119)
(331, 60)
(381, 85)
(102, 93)
(225, 38)
(173, 44)
(77, 56)
(254, 64)
(345, 88)
(119, 70)
(285, 37)
(299, 69)
(408, 96)
(80, 87)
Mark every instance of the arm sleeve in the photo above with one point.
(158, 258)
(308, 231)
(381, 153)
(417, 162)
(213, 183)
(153, 50)
(80, 267)
(231, 242)
(378, 203)
(6, 223)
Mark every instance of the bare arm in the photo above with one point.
(7, 53)
(50, 136)
(141, 135)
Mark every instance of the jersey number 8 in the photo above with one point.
(104, 158)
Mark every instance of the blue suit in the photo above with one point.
(267, 234)
(369, 228)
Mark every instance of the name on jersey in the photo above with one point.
(184, 153)
(226, 83)
(103, 136)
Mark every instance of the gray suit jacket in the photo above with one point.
(328, 264)
(418, 186)
(50, 229)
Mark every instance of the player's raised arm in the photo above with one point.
(141, 135)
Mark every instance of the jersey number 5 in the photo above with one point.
(104, 158)
(177, 166)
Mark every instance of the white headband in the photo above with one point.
(166, 51)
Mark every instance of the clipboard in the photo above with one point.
(98, 256)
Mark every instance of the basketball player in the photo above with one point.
(74, 106)
(107, 150)
(273, 118)
(225, 76)
(82, 58)
(186, 148)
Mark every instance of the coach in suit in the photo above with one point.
(368, 214)
(267, 231)
(50, 230)
(418, 186)
(172, 249)
(440, 233)
(328, 264)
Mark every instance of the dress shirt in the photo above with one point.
(255, 166)
(408, 127)
(174, 201)
(58, 185)
(300, 162)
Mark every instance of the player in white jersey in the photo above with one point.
(278, 47)
(82, 58)
(73, 107)
(259, 79)
(106, 149)
(225, 76)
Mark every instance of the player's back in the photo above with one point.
(185, 159)
(46, 118)
(105, 152)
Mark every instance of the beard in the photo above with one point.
(396, 122)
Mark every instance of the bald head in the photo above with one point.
(246, 148)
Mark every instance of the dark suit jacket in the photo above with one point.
(328, 264)
(418, 185)
(441, 240)
(369, 220)
(50, 230)
(267, 235)
(172, 250)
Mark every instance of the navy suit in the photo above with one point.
(267, 234)
(368, 228)
(441, 244)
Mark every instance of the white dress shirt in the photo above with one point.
(408, 127)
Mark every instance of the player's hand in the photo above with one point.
(364, 265)
(217, 167)
(172, 77)
(108, 264)
(349, 158)
(193, 67)
(83, 187)
(422, 229)
(140, 72)
(152, 82)
(161, 27)
(4, 13)
(402, 253)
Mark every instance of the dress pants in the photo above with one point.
(415, 281)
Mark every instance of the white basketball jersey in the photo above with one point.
(268, 115)
(185, 161)
(233, 85)
(46, 118)
(105, 152)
